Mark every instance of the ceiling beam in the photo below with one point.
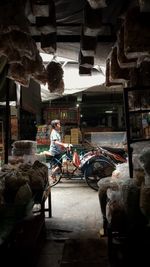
(77, 38)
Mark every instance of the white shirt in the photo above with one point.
(54, 148)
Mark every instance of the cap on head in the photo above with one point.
(54, 123)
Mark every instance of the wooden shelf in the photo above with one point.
(65, 115)
(139, 111)
(139, 140)
(137, 96)
(2, 148)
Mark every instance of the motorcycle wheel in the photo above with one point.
(97, 170)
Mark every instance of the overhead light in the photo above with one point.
(109, 111)
(79, 97)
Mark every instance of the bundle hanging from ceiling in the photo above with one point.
(55, 76)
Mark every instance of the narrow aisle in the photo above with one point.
(75, 207)
(73, 232)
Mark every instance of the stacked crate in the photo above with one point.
(43, 137)
(67, 138)
(75, 136)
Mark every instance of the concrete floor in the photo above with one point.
(76, 215)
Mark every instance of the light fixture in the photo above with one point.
(79, 97)
(109, 111)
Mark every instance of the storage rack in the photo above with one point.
(1, 143)
(65, 115)
(139, 107)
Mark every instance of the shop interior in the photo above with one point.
(86, 63)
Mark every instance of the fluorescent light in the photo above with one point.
(109, 111)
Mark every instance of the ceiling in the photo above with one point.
(81, 32)
(80, 20)
(97, 20)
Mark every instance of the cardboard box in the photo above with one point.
(67, 138)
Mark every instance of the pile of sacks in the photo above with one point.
(125, 201)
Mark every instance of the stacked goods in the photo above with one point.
(145, 188)
(136, 33)
(67, 138)
(139, 100)
(129, 60)
(123, 61)
(125, 202)
(43, 135)
(145, 201)
(144, 5)
(103, 185)
(97, 4)
(134, 79)
(131, 76)
(44, 24)
(13, 177)
(92, 20)
(75, 136)
(115, 212)
(88, 45)
(139, 176)
(147, 132)
(131, 199)
(86, 61)
(21, 186)
(138, 172)
(135, 98)
(24, 147)
(145, 163)
(108, 82)
(117, 74)
(144, 71)
(23, 151)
